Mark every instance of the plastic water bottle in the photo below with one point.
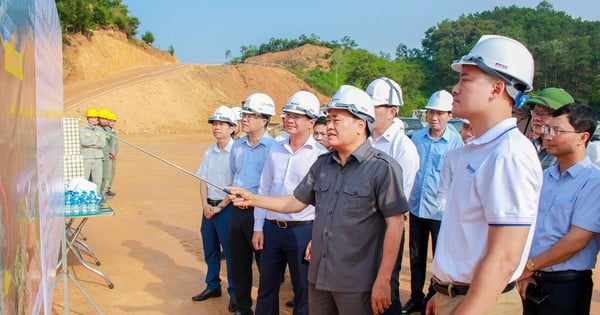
(92, 201)
(76, 204)
(68, 202)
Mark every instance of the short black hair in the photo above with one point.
(322, 120)
(581, 116)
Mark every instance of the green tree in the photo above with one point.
(171, 50)
(148, 37)
(348, 43)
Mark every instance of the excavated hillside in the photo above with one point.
(151, 93)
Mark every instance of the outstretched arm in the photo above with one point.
(284, 204)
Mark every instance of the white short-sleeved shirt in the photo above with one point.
(397, 145)
(448, 168)
(497, 181)
(593, 152)
(215, 168)
(283, 170)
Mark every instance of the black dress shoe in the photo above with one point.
(412, 306)
(232, 306)
(289, 303)
(207, 294)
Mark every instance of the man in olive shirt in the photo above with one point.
(359, 206)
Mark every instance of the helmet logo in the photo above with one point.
(501, 66)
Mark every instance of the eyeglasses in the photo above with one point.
(250, 116)
(539, 113)
(554, 131)
(294, 116)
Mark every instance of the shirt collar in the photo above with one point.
(359, 154)
(310, 143)
(573, 171)
(266, 138)
(391, 132)
(445, 136)
(495, 132)
(226, 149)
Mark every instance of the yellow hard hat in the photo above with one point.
(113, 117)
(92, 112)
(104, 113)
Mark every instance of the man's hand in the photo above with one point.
(307, 251)
(381, 296)
(208, 211)
(258, 240)
(522, 285)
(240, 197)
(430, 308)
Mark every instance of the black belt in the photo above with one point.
(285, 224)
(562, 276)
(453, 290)
(213, 202)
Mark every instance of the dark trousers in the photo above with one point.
(335, 303)
(420, 229)
(242, 252)
(396, 307)
(569, 297)
(281, 247)
(215, 233)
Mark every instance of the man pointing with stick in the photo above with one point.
(359, 205)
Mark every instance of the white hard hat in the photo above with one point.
(224, 114)
(304, 103)
(238, 112)
(502, 57)
(385, 92)
(440, 100)
(354, 100)
(259, 103)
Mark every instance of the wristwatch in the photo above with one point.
(530, 265)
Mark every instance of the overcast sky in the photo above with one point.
(201, 31)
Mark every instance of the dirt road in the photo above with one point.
(151, 248)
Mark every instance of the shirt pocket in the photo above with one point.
(560, 215)
(260, 164)
(321, 190)
(357, 201)
(437, 161)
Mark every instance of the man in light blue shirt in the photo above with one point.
(432, 142)
(558, 276)
(247, 159)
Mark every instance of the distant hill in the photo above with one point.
(305, 57)
(110, 70)
(107, 52)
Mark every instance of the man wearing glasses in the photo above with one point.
(545, 103)
(283, 238)
(558, 276)
(247, 159)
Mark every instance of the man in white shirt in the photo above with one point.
(216, 208)
(490, 215)
(283, 238)
(388, 136)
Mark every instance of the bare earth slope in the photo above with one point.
(161, 96)
(305, 57)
